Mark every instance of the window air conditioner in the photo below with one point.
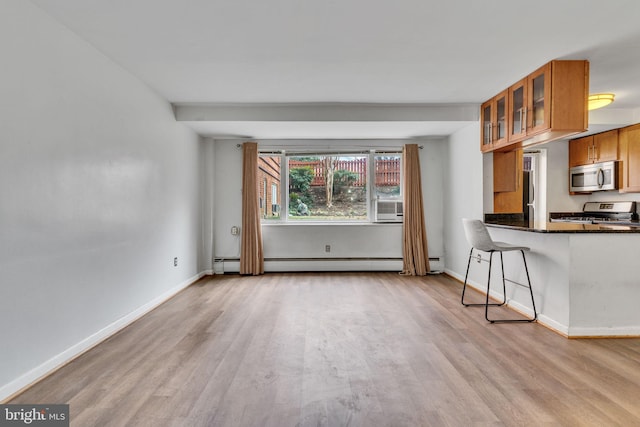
(389, 210)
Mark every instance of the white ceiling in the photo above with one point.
(355, 51)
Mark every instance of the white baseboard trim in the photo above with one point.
(554, 325)
(455, 275)
(7, 391)
(594, 332)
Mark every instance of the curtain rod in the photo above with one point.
(326, 153)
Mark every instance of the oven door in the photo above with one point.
(595, 177)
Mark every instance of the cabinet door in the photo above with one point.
(505, 168)
(517, 111)
(580, 150)
(486, 126)
(493, 123)
(538, 113)
(507, 182)
(630, 154)
(569, 83)
(500, 119)
(605, 146)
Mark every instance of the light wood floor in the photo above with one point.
(334, 349)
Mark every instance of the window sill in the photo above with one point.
(320, 223)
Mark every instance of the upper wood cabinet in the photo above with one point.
(605, 146)
(548, 104)
(601, 147)
(505, 171)
(493, 119)
(629, 138)
(580, 151)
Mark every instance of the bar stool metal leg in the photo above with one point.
(464, 286)
(504, 285)
(533, 304)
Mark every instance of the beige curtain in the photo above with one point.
(251, 256)
(415, 257)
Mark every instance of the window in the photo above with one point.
(388, 168)
(329, 187)
(269, 175)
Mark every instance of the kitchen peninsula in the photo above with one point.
(563, 227)
(585, 277)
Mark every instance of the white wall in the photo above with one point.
(207, 203)
(463, 190)
(487, 179)
(227, 211)
(558, 198)
(432, 167)
(308, 241)
(99, 192)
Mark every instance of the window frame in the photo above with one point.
(274, 196)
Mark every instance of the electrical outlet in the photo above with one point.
(235, 230)
(175, 262)
(327, 248)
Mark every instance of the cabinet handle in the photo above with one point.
(600, 178)
(589, 152)
(521, 120)
(491, 133)
(525, 120)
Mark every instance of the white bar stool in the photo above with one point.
(480, 240)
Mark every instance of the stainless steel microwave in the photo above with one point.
(595, 177)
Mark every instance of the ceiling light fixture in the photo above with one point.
(600, 100)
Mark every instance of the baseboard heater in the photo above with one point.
(285, 264)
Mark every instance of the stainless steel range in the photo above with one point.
(614, 213)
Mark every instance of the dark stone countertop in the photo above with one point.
(517, 222)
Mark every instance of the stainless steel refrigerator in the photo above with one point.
(528, 195)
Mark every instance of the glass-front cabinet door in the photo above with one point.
(500, 129)
(486, 123)
(518, 110)
(539, 99)
(493, 132)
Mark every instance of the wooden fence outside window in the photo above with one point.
(387, 170)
